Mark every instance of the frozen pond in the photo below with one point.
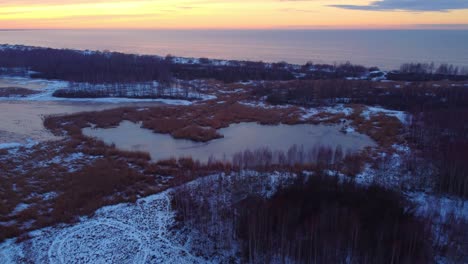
(237, 138)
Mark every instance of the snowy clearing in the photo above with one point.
(124, 233)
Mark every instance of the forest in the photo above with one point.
(319, 219)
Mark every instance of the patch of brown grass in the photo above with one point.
(383, 129)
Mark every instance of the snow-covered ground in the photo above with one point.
(47, 88)
(146, 231)
(337, 109)
(14, 146)
(140, 232)
(261, 104)
(372, 111)
(124, 233)
(306, 113)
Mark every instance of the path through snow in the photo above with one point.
(123, 233)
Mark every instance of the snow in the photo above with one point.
(260, 104)
(140, 232)
(123, 233)
(443, 205)
(231, 91)
(19, 208)
(306, 112)
(401, 148)
(55, 85)
(372, 111)
(10, 145)
(49, 196)
(247, 82)
(337, 109)
(350, 129)
(145, 231)
(73, 161)
(299, 75)
(15, 47)
(181, 60)
(207, 97)
(51, 86)
(213, 62)
(309, 112)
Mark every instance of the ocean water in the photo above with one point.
(387, 49)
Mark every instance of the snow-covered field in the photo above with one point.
(125, 233)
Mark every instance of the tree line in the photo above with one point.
(429, 72)
(177, 90)
(320, 156)
(407, 97)
(108, 67)
(112, 67)
(92, 67)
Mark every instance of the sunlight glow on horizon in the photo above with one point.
(208, 14)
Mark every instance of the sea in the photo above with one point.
(386, 49)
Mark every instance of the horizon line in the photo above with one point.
(242, 29)
(452, 26)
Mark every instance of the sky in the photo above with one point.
(234, 14)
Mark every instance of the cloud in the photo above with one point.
(409, 5)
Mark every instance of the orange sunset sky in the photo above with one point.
(234, 14)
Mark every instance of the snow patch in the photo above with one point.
(337, 109)
(261, 104)
(10, 145)
(372, 111)
(19, 208)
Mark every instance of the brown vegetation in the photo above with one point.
(60, 191)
